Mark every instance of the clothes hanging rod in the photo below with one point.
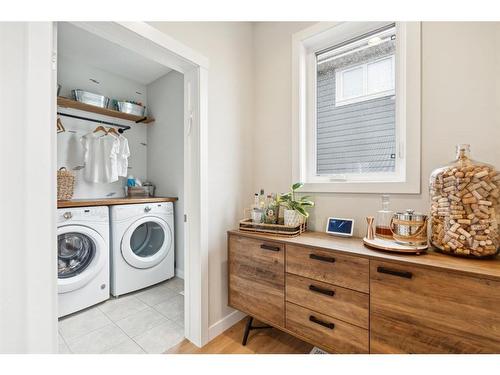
(121, 130)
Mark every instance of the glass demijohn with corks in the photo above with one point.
(465, 207)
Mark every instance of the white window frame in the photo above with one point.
(340, 100)
(305, 45)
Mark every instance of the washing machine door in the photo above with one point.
(146, 242)
(80, 256)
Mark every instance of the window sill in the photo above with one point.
(363, 187)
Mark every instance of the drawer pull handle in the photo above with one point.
(314, 288)
(405, 274)
(322, 258)
(313, 319)
(269, 247)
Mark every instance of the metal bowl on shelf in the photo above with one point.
(131, 108)
(90, 98)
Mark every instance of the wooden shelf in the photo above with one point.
(113, 201)
(69, 103)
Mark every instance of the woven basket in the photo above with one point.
(65, 184)
(275, 229)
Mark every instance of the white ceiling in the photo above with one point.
(100, 53)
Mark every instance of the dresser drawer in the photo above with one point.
(341, 303)
(326, 331)
(327, 266)
(257, 278)
(421, 310)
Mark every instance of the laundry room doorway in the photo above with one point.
(158, 246)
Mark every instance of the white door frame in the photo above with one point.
(157, 46)
(28, 291)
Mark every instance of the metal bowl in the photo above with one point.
(91, 98)
(132, 109)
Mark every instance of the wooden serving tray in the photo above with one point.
(389, 245)
(276, 229)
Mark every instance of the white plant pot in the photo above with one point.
(293, 218)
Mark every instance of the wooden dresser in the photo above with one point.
(345, 298)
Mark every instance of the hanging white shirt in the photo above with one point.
(100, 157)
(122, 156)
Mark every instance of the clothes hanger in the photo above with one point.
(113, 132)
(60, 127)
(100, 128)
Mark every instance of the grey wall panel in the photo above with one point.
(354, 138)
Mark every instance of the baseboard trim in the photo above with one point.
(227, 322)
(179, 273)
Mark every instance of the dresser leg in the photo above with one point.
(248, 328)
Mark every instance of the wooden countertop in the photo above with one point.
(483, 268)
(112, 201)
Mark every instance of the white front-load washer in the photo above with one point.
(142, 246)
(82, 257)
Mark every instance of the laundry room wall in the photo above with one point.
(72, 74)
(166, 149)
(228, 46)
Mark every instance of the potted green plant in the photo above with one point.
(295, 208)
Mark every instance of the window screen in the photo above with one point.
(356, 130)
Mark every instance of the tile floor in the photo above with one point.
(148, 321)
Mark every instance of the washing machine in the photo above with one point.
(82, 257)
(142, 246)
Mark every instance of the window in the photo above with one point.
(355, 121)
(354, 131)
(372, 80)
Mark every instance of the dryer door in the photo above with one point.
(146, 242)
(81, 255)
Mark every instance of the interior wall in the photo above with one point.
(250, 120)
(72, 74)
(228, 46)
(166, 150)
(460, 104)
(272, 167)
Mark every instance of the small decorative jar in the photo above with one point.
(465, 207)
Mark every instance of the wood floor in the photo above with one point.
(261, 341)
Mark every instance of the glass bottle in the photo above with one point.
(256, 210)
(255, 201)
(271, 210)
(465, 207)
(262, 199)
(383, 220)
(281, 210)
